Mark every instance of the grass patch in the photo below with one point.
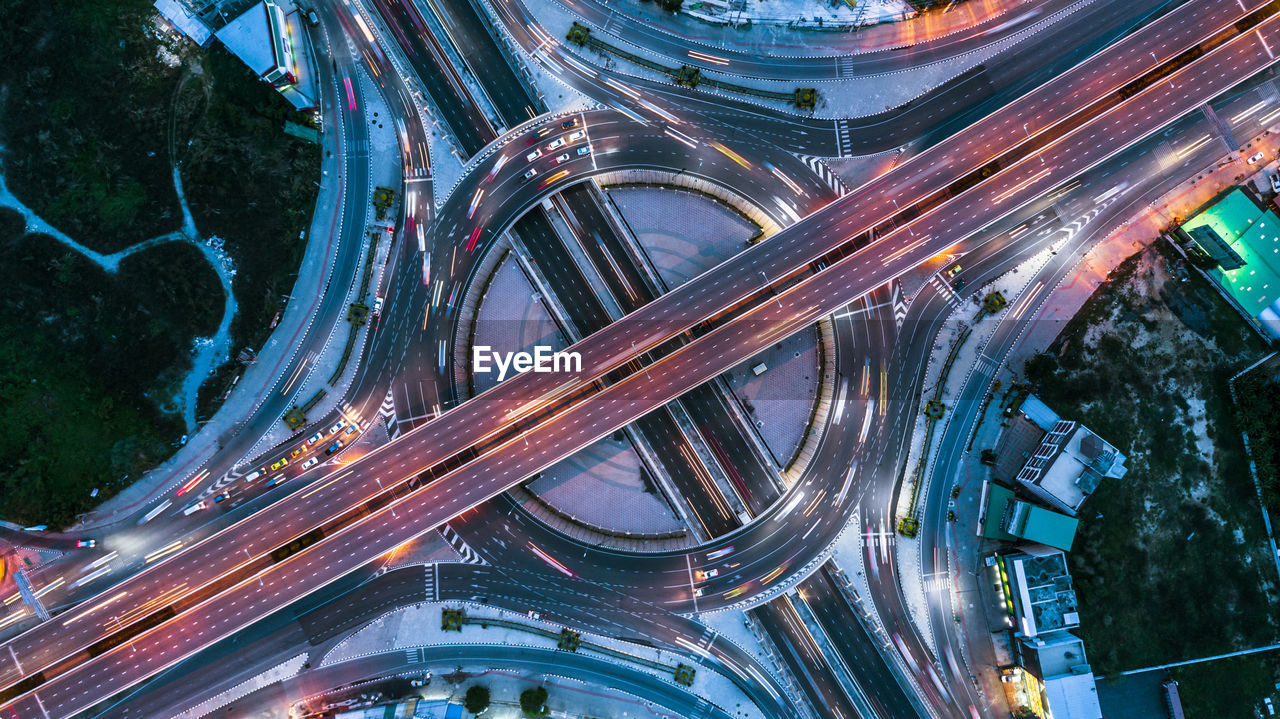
(87, 360)
(1171, 561)
(1231, 687)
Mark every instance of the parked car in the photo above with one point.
(1253, 159)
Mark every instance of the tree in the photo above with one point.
(533, 702)
(477, 699)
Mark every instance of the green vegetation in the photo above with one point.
(533, 702)
(1258, 397)
(86, 361)
(1179, 542)
(1231, 687)
(98, 102)
(476, 699)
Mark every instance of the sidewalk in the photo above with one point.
(967, 15)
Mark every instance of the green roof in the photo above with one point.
(1037, 524)
(997, 498)
(1255, 235)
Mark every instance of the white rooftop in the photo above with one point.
(1072, 696)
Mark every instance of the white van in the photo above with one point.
(193, 508)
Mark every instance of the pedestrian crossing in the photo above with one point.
(464, 550)
(829, 178)
(944, 289)
(937, 584)
(844, 146)
(844, 66)
(433, 586)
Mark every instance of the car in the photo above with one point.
(337, 426)
(377, 306)
(351, 430)
(529, 175)
(315, 438)
(533, 155)
(276, 480)
(575, 136)
(253, 475)
(312, 17)
(699, 591)
(535, 614)
(280, 463)
(562, 158)
(193, 508)
(335, 447)
(86, 543)
(222, 497)
(584, 150)
(1275, 183)
(421, 681)
(558, 142)
(707, 574)
(568, 123)
(722, 552)
(297, 452)
(960, 283)
(1253, 159)
(310, 463)
(954, 271)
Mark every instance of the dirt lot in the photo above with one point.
(1171, 562)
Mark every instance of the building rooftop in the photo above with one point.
(1041, 589)
(1016, 444)
(1038, 412)
(995, 498)
(1068, 465)
(185, 20)
(1254, 235)
(248, 37)
(1073, 696)
(1037, 524)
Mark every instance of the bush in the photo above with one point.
(477, 699)
(533, 702)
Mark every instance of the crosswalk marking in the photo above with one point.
(844, 146)
(944, 289)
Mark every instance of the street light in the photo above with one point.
(766, 286)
